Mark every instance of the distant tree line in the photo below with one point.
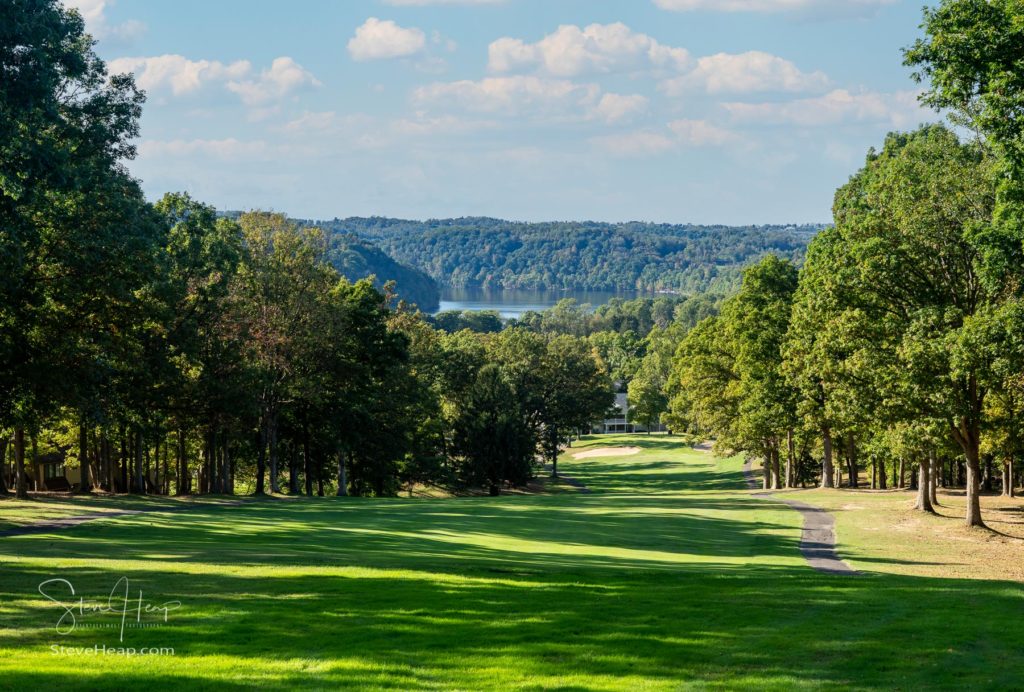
(496, 254)
(162, 348)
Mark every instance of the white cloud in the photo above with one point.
(444, 125)
(321, 121)
(510, 95)
(810, 7)
(680, 134)
(178, 73)
(899, 109)
(284, 77)
(96, 22)
(614, 108)
(754, 71)
(599, 48)
(380, 39)
(184, 76)
(700, 133)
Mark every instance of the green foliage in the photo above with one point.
(479, 321)
(357, 259)
(970, 60)
(728, 379)
(490, 253)
(493, 434)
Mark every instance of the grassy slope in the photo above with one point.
(666, 576)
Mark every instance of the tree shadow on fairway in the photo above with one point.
(586, 533)
(725, 625)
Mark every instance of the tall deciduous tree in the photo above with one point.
(908, 221)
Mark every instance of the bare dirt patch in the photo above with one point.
(607, 452)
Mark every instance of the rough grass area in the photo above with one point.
(879, 529)
(667, 576)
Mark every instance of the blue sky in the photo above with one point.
(704, 111)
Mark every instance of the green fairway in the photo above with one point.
(668, 575)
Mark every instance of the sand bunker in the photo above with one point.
(607, 452)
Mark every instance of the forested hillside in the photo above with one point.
(357, 259)
(491, 253)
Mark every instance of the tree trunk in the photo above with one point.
(180, 471)
(1008, 489)
(851, 460)
(21, 481)
(124, 463)
(261, 459)
(933, 477)
(987, 482)
(225, 470)
(827, 469)
(293, 469)
(924, 498)
(883, 482)
(776, 470)
(790, 460)
(342, 479)
(209, 462)
(973, 482)
(85, 485)
(903, 474)
(272, 434)
(4, 442)
(140, 479)
(766, 472)
(307, 463)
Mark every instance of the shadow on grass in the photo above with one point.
(554, 533)
(729, 625)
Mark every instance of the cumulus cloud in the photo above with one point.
(284, 77)
(700, 133)
(615, 108)
(679, 134)
(97, 23)
(596, 49)
(183, 76)
(532, 95)
(379, 39)
(898, 109)
(510, 95)
(754, 71)
(177, 72)
(807, 7)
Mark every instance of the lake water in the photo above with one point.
(511, 304)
